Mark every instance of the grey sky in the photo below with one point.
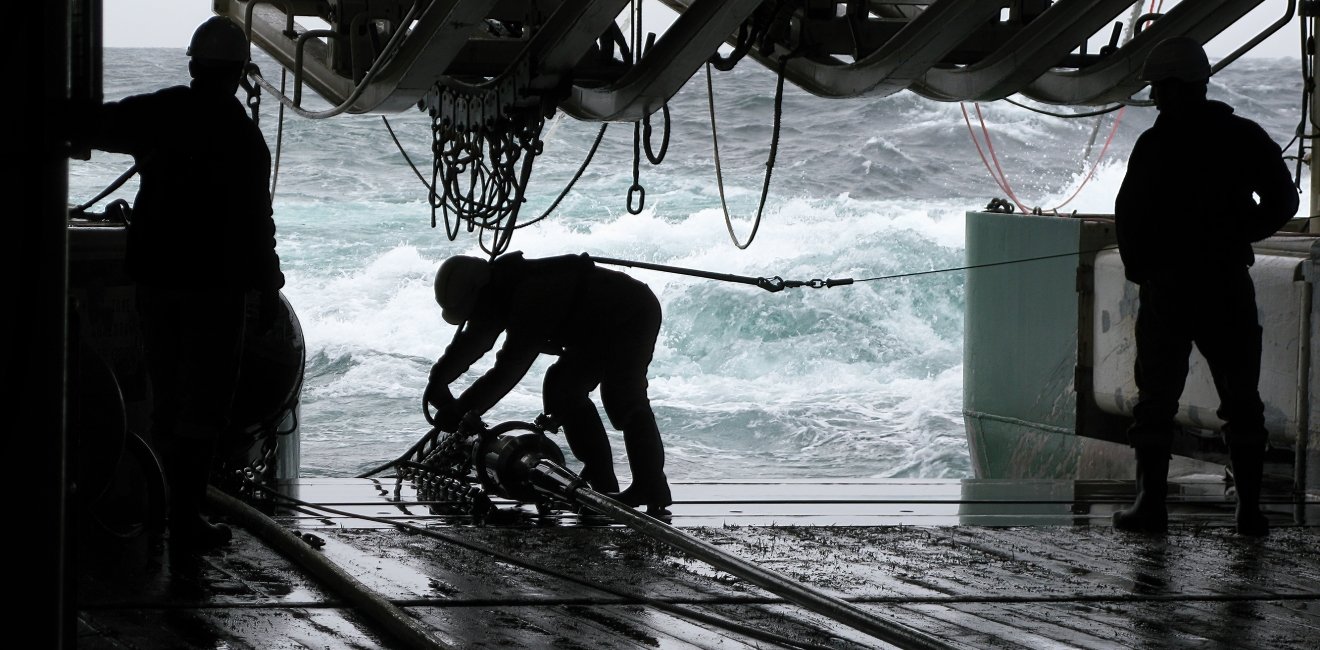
(170, 23)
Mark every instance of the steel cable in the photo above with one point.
(514, 560)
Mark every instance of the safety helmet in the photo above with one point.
(219, 39)
(457, 284)
(1181, 57)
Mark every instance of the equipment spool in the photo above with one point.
(504, 463)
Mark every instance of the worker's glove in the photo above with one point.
(438, 395)
(447, 415)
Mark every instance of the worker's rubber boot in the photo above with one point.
(600, 479)
(1248, 462)
(187, 465)
(646, 458)
(1148, 514)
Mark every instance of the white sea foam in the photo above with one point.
(852, 381)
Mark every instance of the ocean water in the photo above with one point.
(858, 381)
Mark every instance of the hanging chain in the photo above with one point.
(636, 191)
(479, 176)
(440, 469)
(245, 480)
(484, 139)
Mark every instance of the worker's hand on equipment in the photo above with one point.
(438, 395)
(448, 417)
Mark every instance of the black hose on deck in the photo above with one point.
(392, 619)
(513, 560)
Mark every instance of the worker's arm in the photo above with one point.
(469, 344)
(512, 362)
(1274, 185)
(1132, 209)
(127, 126)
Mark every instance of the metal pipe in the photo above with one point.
(298, 60)
(65, 51)
(1313, 223)
(1258, 38)
(386, 55)
(558, 481)
(1302, 408)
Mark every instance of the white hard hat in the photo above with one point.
(457, 284)
(219, 39)
(1181, 58)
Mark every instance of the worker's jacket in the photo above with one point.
(202, 217)
(1186, 204)
(556, 305)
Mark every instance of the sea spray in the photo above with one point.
(862, 380)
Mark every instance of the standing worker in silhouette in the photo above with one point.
(201, 245)
(602, 324)
(1186, 218)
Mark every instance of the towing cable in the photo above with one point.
(524, 468)
(772, 285)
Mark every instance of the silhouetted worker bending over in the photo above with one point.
(1186, 219)
(201, 243)
(601, 323)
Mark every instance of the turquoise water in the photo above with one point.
(855, 381)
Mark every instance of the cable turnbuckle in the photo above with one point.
(772, 285)
(779, 284)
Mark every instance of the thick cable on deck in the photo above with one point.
(529, 468)
(554, 479)
(397, 622)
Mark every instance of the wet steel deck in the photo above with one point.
(973, 564)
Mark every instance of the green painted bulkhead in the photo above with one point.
(1048, 351)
